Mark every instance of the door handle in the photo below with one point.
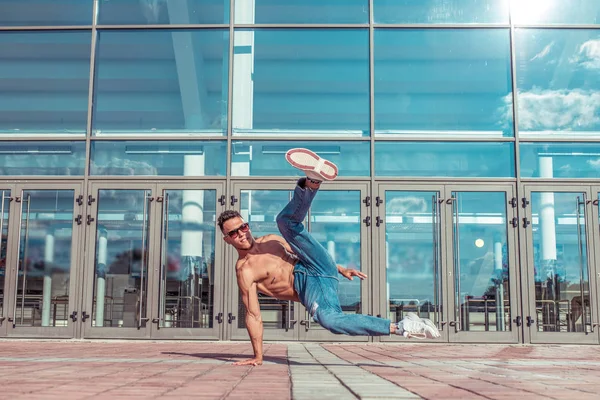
(73, 316)
(157, 322)
(306, 323)
(230, 318)
(219, 318)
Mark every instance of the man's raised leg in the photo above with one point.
(290, 219)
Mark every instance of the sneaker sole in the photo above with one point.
(309, 161)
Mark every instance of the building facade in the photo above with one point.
(467, 133)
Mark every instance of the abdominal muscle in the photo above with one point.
(277, 280)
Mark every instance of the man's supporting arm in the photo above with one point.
(253, 320)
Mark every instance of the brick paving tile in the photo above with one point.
(68, 370)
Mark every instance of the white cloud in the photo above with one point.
(561, 109)
(544, 52)
(589, 55)
(594, 163)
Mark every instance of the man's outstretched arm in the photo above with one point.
(253, 319)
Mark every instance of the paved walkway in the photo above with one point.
(202, 370)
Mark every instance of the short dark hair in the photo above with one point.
(227, 215)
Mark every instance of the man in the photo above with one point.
(296, 267)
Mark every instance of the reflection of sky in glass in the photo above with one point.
(440, 82)
(440, 11)
(560, 160)
(460, 159)
(267, 158)
(301, 11)
(558, 80)
(161, 81)
(309, 81)
(555, 11)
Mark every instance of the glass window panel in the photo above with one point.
(555, 11)
(44, 82)
(121, 265)
(456, 159)
(4, 245)
(187, 280)
(560, 160)
(169, 12)
(413, 258)
(480, 262)
(561, 269)
(45, 12)
(145, 158)
(558, 82)
(266, 158)
(161, 82)
(42, 158)
(301, 82)
(443, 82)
(301, 11)
(44, 265)
(440, 11)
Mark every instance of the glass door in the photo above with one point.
(447, 253)
(595, 268)
(189, 287)
(338, 220)
(561, 280)
(120, 231)
(6, 202)
(259, 207)
(408, 264)
(44, 286)
(482, 286)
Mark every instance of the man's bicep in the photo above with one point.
(249, 294)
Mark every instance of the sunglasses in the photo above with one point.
(242, 228)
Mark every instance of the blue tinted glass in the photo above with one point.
(560, 160)
(42, 158)
(301, 11)
(154, 158)
(266, 158)
(555, 11)
(452, 159)
(440, 11)
(312, 81)
(45, 12)
(136, 12)
(558, 82)
(44, 82)
(443, 82)
(163, 81)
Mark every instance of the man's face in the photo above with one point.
(237, 233)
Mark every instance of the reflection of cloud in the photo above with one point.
(594, 163)
(404, 205)
(558, 109)
(544, 52)
(589, 55)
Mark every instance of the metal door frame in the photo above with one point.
(75, 271)
(232, 332)
(528, 270)
(306, 331)
(214, 333)
(9, 267)
(514, 334)
(446, 267)
(594, 267)
(87, 330)
(379, 250)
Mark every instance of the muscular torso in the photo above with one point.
(272, 267)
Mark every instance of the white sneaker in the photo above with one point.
(413, 327)
(315, 167)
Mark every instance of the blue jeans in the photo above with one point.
(315, 275)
